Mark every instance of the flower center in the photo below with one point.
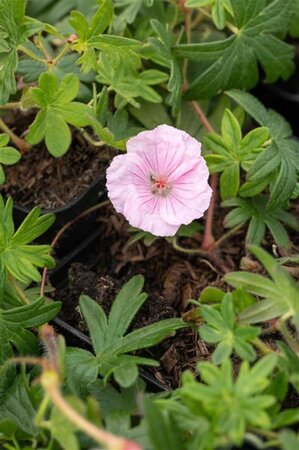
(159, 185)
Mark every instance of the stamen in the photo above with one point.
(160, 185)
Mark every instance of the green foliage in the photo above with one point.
(129, 83)
(277, 166)
(230, 152)
(17, 410)
(8, 155)
(91, 38)
(17, 257)
(229, 405)
(219, 9)
(57, 110)
(233, 62)
(110, 339)
(14, 324)
(280, 296)
(222, 328)
(12, 33)
(129, 10)
(289, 361)
(161, 47)
(254, 210)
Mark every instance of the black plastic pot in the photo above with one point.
(80, 232)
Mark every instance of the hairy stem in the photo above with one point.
(287, 335)
(50, 382)
(11, 105)
(19, 143)
(262, 347)
(31, 54)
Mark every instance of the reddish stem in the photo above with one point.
(208, 238)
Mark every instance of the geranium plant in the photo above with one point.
(201, 175)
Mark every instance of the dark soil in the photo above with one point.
(171, 280)
(39, 179)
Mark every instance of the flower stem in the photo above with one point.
(208, 238)
(19, 143)
(262, 347)
(31, 54)
(202, 117)
(225, 236)
(212, 257)
(11, 105)
(90, 140)
(287, 335)
(111, 442)
(62, 52)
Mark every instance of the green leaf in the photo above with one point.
(96, 321)
(222, 328)
(16, 255)
(82, 370)
(56, 111)
(124, 308)
(233, 403)
(233, 62)
(255, 211)
(13, 32)
(230, 152)
(279, 161)
(17, 405)
(110, 342)
(8, 155)
(230, 182)
(281, 296)
(126, 375)
(289, 440)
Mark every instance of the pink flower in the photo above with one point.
(161, 182)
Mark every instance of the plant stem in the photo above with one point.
(287, 335)
(31, 54)
(19, 143)
(62, 231)
(262, 347)
(226, 235)
(11, 105)
(49, 381)
(39, 417)
(266, 433)
(202, 117)
(62, 52)
(18, 289)
(201, 252)
(90, 140)
(208, 237)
